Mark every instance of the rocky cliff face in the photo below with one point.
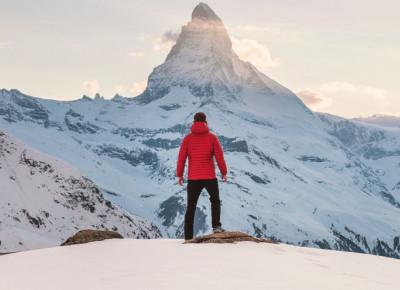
(43, 201)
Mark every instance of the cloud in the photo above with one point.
(310, 97)
(247, 49)
(252, 51)
(170, 36)
(314, 99)
(138, 87)
(345, 98)
(349, 88)
(91, 87)
(136, 54)
(164, 43)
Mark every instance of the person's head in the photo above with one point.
(200, 117)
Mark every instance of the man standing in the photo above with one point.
(201, 146)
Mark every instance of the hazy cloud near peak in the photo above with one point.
(254, 52)
(165, 42)
(310, 97)
(247, 49)
(314, 99)
(170, 36)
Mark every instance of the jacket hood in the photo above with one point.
(199, 128)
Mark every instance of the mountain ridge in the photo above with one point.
(43, 201)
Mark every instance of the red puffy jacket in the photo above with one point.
(200, 145)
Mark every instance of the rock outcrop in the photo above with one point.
(228, 237)
(87, 236)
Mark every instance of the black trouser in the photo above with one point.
(194, 189)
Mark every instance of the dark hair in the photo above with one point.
(200, 117)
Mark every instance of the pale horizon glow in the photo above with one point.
(340, 57)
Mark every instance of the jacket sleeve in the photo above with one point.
(183, 153)
(219, 156)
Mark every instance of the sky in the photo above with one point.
(340, 57)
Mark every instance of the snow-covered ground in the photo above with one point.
(170, 264)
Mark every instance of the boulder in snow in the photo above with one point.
(228, 237)
(87, 236)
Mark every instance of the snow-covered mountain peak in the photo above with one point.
(203, 12)
(203, 62)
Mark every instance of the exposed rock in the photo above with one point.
(75, 122)
(204, 12)
(1, 254)
(348, 132)
(161, 143)
(228, 237)
(257, 179)
(87, 236)
(170, 208)
(233, 144)
(351, 241)
(307, 158)
(133, 157)
(134, 133)
(170, 107)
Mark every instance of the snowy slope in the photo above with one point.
(302, 178)
(169, 264)
(44, 201)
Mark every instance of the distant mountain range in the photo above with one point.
(381, 120)
(296, 176)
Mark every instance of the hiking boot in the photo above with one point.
(218, 229)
